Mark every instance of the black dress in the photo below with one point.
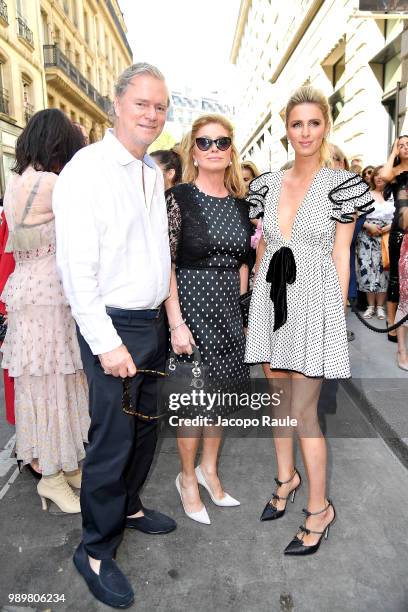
(209, 241)
(399, 189)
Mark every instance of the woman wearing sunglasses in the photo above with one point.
(209, 239)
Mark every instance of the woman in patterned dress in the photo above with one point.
(395, 172)
(40, 349)
(296, 322)
(209, 238)
(371, 277)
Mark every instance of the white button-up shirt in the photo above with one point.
(112, 237)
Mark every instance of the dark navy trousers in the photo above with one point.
(121, 447)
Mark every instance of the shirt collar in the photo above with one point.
(122, 155)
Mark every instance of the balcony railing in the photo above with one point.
(28, 111)
(3, 11)
(53, 56)
(24, 31)
(4, 101)
(118, 26)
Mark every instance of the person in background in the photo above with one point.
(249, 172)
(356, 168)
(371, 276)
(7, 265)
(356, 161)
(209, 231)
(83, 131)
(395, 172)
(40, 350)
(338, 159)
(367, 173)
(169, 163)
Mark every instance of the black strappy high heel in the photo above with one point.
(270, 512)
(296, 546)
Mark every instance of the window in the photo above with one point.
(86, 27)
(28, 105)
(338, 70)
(21, 9)
(78, 61)
(68, 49)
(45, 29)
(4, 99)
(75, 12)
(57, 36)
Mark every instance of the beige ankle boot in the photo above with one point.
(56, 489)
(74, 479)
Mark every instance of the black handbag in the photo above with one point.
(244, 302)
(186, 375)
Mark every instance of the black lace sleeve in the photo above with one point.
(258, 189)
(174, 219)
(351, 194)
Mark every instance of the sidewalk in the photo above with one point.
(378, 386)
(236, 563)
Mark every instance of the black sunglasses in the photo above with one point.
(223, 143)
(127, 403)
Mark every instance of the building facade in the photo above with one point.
(85, 49)
(186, 107)
(353, 57)
(62, 54)
(22, 79)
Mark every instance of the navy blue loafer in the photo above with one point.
(152, 522)
(111, 586)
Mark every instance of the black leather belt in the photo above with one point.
(153, 313)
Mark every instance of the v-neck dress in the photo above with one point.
(299, 273)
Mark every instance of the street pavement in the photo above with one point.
(236, 563)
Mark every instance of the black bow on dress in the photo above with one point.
(282, 270)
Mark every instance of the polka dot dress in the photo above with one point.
(313, 340)
(209, 239)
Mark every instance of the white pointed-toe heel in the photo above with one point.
(226, 501)
(201, 516)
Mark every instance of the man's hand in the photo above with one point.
(118, 362)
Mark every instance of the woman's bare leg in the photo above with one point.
(209, 459)
(305, 397)
(283, 438)
(187, 448)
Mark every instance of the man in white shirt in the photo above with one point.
(114, 259)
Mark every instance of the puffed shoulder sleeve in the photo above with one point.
(258, 189)
(349, 195)
(174, 219)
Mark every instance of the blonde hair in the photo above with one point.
(309, 95)
(249, 165)
(335, 151)
(233, 180)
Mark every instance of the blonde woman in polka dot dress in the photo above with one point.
(210, 239)
(296, 323)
